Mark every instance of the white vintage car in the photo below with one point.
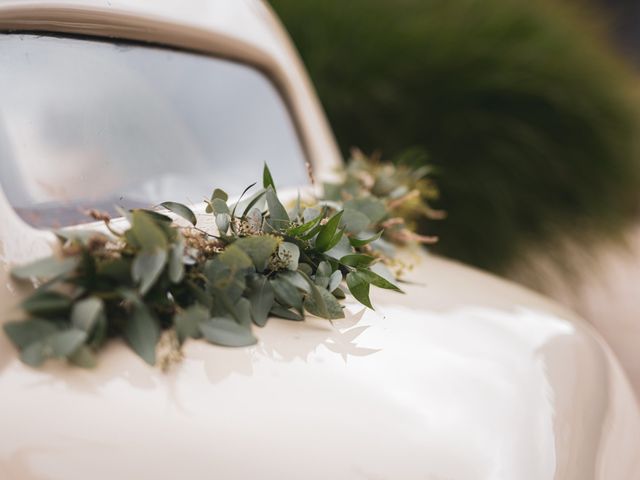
(466, 377)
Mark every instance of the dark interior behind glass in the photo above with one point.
(91, 124)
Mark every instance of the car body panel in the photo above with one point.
(465, 376)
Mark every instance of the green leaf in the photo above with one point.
(45, 303)
(24, 333)
(377, 280)
(291, 253)
(261, 296)
(83, 357)
(337, 238)
(233, 212)
(223, 220)
(342, 248)
(187, 322)
(296, 279)
(47, 267)
(305, 227)
(85, 313)
(220, 206)
(267, 179)
(181, 210)
(372, 207)
(322, 304)
(259, 248)
(59, 344)
(142, 332)
(286, 294)
(176, 263)
(35, 354)
(334, 280)
(278, 216)
(359, 288)
(361, 242)
(221, 194)
(228, 333)
(158, 217)
(327, 233)
(357, 260)
(354, 221)
(81, 236)
(147, 267)
(281, 312)
(252, 201)
(226, 272)
(147, 233)
(63, 344)
(324, 269)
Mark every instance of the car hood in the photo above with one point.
(463, 377)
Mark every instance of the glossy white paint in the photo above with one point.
(463, 377)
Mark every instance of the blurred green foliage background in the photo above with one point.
(530, 118)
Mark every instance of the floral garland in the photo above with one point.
(166, 279)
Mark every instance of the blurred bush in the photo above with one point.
(530, 118)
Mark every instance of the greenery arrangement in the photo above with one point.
(156, 281)
(528, 116)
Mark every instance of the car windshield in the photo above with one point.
(91, 124)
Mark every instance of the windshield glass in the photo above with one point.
(90, 124)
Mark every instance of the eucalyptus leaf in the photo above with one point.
(334, 280)
(322, 304)
(142, 332)
(371, 206)
(223, 220)
(181, 210)
(46, 303)
(147, 267)
(221, 194)
(83, 357)
(281, 312)
(228, 333)
(296, 279)
(47, 267)
(147, 233)
(324, 269)
(187, 322)
(259, 249)
(85, 313)
(64, 343)
(35, 354)
(25, 332)
(220, 206)
(176, 260)
(286, 294)
(261, 296)
(291, 253)
(354, 221)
